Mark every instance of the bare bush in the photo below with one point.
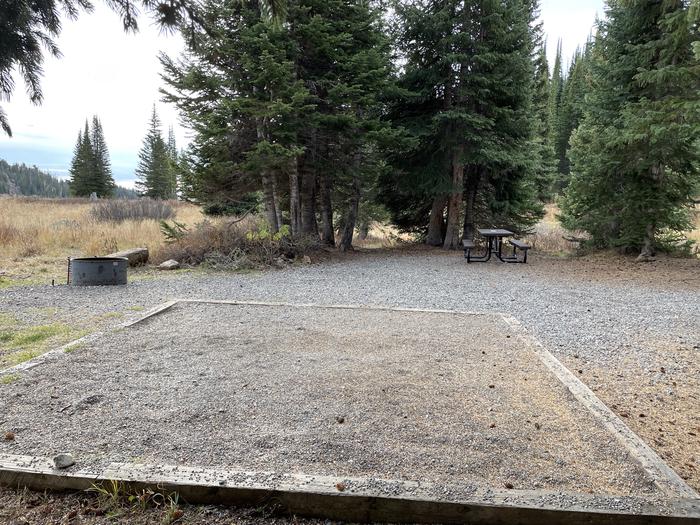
(8, 233)
(233, 246)
(123, 210)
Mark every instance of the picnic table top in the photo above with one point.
(495, 233)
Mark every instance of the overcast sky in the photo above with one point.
(116, 76)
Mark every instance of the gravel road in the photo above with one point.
(632, 333)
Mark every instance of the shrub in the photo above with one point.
(233, 246)
(122, 210)
(8, 233)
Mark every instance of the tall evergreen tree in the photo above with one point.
(635, 156)
(546, 172)
(172, 145)
(556, 93)
(83, 181)
(90, 170)
(571, 112)
(103, 169)
(155, 173)
(467, 108)
(289, 111)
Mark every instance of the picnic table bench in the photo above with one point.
(495, 246)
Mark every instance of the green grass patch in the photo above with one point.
(22, 356)
(137, 308)
(24, 343)
(7, 320)
(9, 378)
(109, 315)
(74, 348)
(37, 334)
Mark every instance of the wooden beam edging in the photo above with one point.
(661, 473)
(151, 313)
(233, 302)
(360, 500)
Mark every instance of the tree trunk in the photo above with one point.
(454, 204)
(308, 168)
(277, 201)
(294, 204)
(309, 225)
(326, 202)
(268, 195)
(648, 249)
(353, 207)
(472, 188)
(437, 221)
(269, 198)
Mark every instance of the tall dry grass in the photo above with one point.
(549, 235)
(40, 231)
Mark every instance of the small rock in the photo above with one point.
(340, 486)
(508, 485)
(170, 264)
(9, 436)
(492, 386)
(492, 425)
(307, 259)
(63, 460)
(340, 419)
(538, 426)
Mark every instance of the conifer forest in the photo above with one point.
(437, 116)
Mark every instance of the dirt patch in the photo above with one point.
(658, 398)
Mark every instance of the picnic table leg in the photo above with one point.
(483, 258)
(499, 252)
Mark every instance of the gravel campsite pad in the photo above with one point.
(321, 391)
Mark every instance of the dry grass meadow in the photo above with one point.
(38, 235)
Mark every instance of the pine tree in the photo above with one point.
(103, 169)
(172, 146)
(546, 173)
(556, 92)
(289, 111)
(466, 106)
(90, 170)
(571, 111)
(83, 182)
(155, 171)
(635, 155)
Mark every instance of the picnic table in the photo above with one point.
(495, 246)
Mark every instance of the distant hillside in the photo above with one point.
(20, 179)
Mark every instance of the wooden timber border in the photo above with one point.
(384, 500)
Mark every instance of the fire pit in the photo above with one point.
(97, 271)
